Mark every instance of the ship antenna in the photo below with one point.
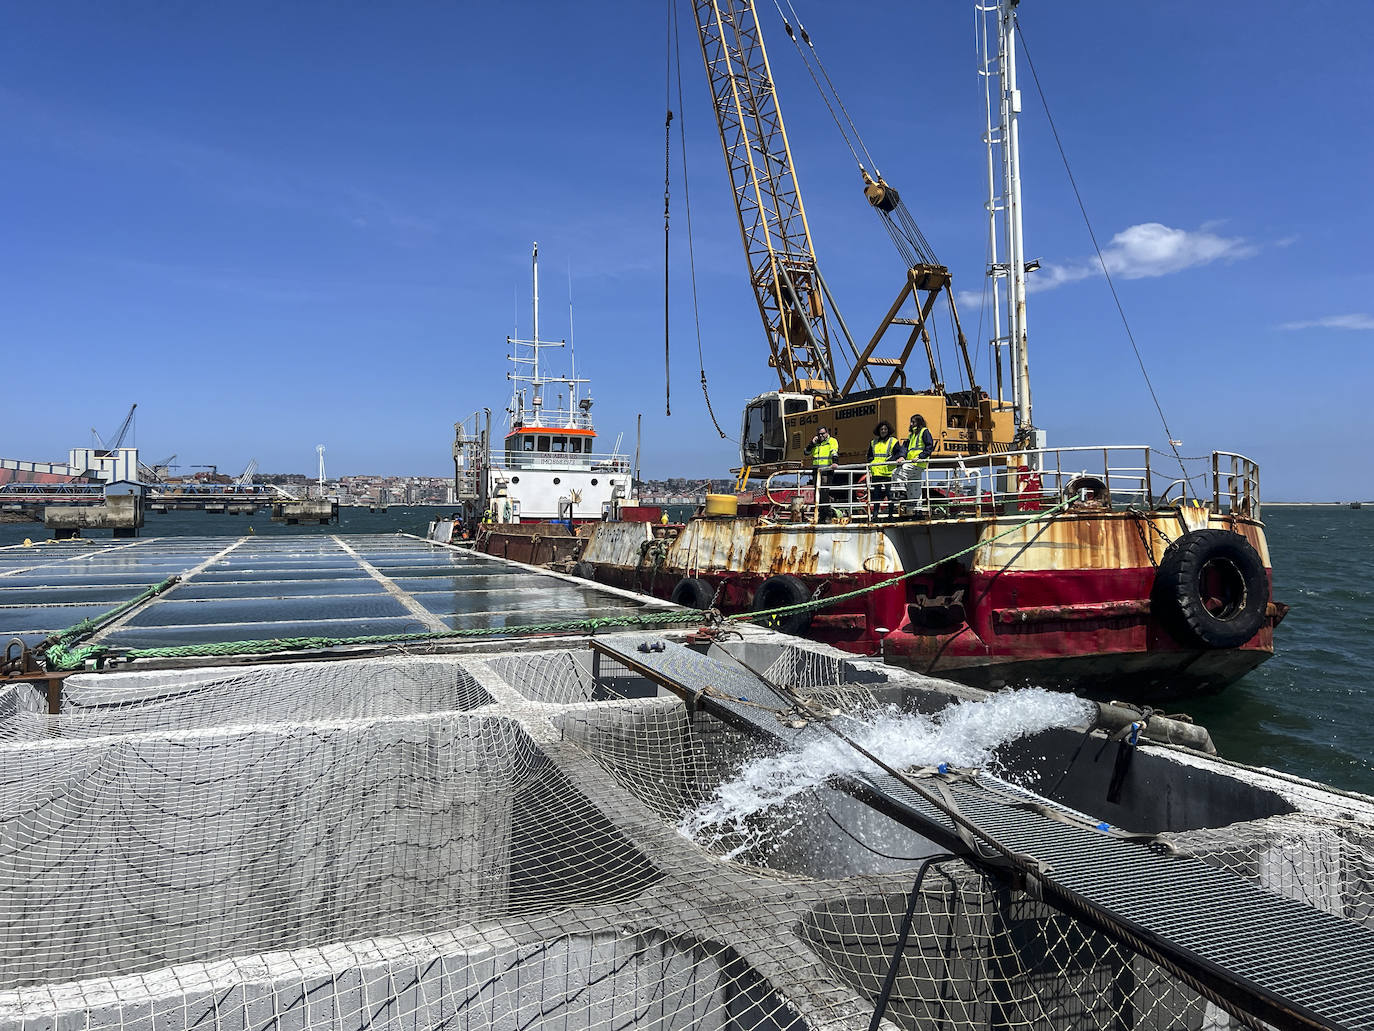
(572, 356)
(538, 393)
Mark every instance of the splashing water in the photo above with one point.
(966, 734)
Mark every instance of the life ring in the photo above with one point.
(778, 592)
(692, 592)
(1211, 589)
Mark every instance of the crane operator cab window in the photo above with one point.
(763, 440)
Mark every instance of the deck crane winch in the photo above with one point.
(793, 299)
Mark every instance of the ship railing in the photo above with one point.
(573, 461)
(1108, 478)
(1235, 484)
(555, 419)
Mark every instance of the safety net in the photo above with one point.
(540, 837)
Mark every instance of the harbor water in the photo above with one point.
(1305, 712)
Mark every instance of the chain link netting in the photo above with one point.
(500, 841)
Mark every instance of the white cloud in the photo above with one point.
(1359, 321)
(1147, 250)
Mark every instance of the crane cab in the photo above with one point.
(763, 436)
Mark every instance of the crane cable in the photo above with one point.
(1044, 102)
(667, 161)
(901, 226)
(667, 195)
(675, 51)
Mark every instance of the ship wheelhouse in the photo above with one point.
(546, 447)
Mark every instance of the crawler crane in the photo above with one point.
(799, 314)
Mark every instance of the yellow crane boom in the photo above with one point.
(772, 220)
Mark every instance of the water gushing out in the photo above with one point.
(966, 734)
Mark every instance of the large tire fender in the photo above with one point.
(1211, 589)
(777, 592)
(692, 592)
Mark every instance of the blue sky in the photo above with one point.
(279, 225)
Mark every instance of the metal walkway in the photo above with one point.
(1278, 959)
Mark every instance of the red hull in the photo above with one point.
(1069, 607)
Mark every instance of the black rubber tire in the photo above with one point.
(1214, 565)
(583, 570)
(778, 591)
(693, 592)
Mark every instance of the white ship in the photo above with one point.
(547, 468)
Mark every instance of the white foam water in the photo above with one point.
(965, 734)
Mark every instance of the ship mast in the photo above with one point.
(530, 360)
(1003, 143)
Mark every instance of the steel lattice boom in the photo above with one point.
(777, 239)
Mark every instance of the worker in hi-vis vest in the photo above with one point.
(883, 455)
(824, 451)
(920, 444)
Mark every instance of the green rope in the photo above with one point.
(62, 655)
(89, 626)
(63, 658)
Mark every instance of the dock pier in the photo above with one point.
(320, 510)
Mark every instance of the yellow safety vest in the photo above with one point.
(882, 456)
(824, 453)
(915, 444)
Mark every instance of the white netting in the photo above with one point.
(1327, 863)
(129, 703)
(342, 846)
(127, 853)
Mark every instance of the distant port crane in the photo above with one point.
(117, 440)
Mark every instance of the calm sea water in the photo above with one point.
(1308, 711)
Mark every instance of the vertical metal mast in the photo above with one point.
(538, 383)
(520, 358)
(1004, 148)
(987, 70)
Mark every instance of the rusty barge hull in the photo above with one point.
(1066, 602)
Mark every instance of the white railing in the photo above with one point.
(1101, 478)
(586, 461)
(554, 419)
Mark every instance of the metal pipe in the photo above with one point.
(1112, 717)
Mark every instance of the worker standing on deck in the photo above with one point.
(824, 450)
(920, 444)
(882, 458)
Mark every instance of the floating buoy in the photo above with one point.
(28, 543)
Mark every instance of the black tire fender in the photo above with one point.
(583, 570)
(692, 592)
(1211, 589)
(777, 592)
